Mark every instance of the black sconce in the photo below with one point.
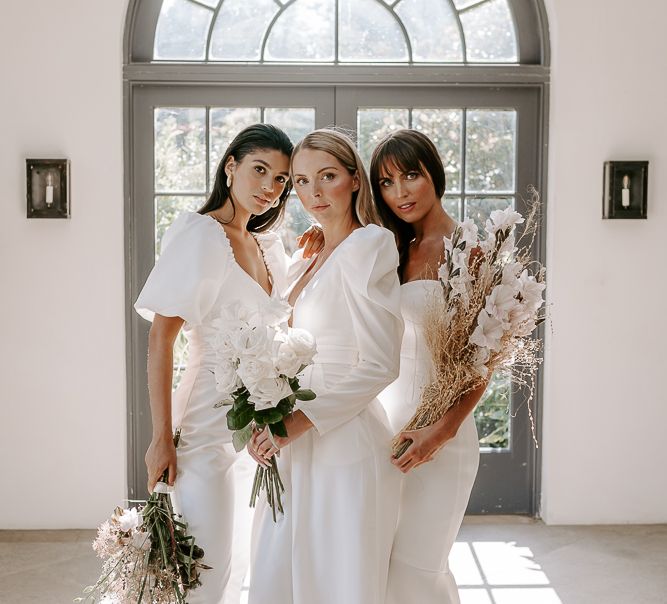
(47, 188)
(625, 189)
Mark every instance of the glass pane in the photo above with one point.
(167, 209)
(211, 3)
(460, 4)
(492, 414)
(180, 150)
(181, 31)
(239, 29)
(489, 33)
(374, 124)
(422, 19)
(491, 151)
(296, 221)
(480, 208)
(304, 32)
(295, 122)
(225, 124)
(369, 32)
(445, 128)
(452, 206)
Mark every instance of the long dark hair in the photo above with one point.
(253, 138)
(407, 151)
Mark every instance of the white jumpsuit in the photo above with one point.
(195, 276)
(332, 545)
(435, 495)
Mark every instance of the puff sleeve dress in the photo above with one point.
(333, 543)
(194, 277)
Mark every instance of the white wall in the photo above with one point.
(605, 397)
(62, 356)
(62, 351)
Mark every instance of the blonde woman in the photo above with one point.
(333, 543)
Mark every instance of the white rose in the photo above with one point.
(488, 332)
(226, 378)
(253, 341)
(268, 392)
(287, 362)
(251, 370)
(129, 520)
(302, 343)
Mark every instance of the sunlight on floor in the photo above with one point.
(499, 572)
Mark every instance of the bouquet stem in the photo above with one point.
(269, 480)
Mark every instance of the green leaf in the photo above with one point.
(279, 429)
(462, 245)
(268, 416)
(239, 418)
(305, 394)
(285, 406)
(240, 438)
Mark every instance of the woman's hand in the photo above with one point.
(161, 456)
(312, 241)
(426, 442)
(263, 446)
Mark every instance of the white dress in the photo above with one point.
(333, 543)
(195, 276)
(435, 495)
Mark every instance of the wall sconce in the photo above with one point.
(625, 189)
(48, 188)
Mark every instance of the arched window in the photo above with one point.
(472, 74)
(344, 31)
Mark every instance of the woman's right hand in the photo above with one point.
(161, 456)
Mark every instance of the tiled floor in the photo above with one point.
(495, 560)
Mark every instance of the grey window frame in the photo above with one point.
(145, 80)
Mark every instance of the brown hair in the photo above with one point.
(408, 151)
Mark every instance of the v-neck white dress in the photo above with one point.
(333, 543)
(195, 276)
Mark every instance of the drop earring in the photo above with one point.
(276, 203)
(229, 181)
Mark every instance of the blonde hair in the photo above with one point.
(342, 147)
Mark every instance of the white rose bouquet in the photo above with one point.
(490, 305)
(148, 555)
(258, 360)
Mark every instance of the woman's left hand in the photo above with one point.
(312, 241)
(263, 446)
(426, 442)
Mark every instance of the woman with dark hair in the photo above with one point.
(333, 544)
(223, 254)
(408, 181)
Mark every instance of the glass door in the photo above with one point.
(488, 139)
(179, 138)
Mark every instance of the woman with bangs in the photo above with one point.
(333, 543)
(440, 465)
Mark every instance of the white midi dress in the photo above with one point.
(434, 496)
(333, 543)
(195, 276)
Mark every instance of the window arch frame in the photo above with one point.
(529, 18)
